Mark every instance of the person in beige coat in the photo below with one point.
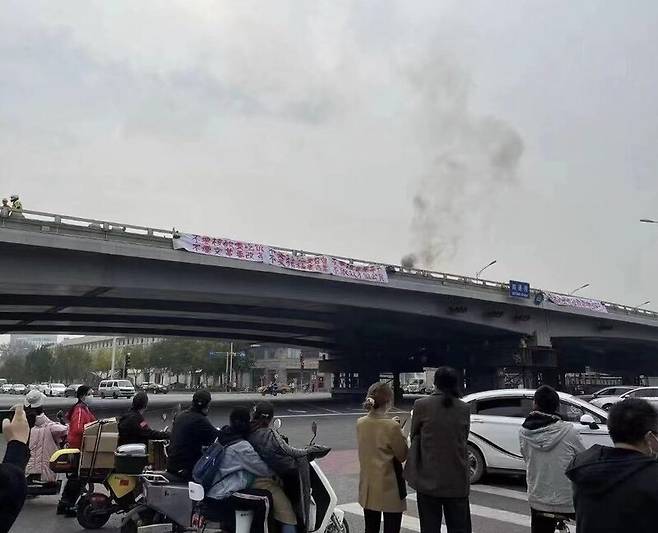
(381, 443)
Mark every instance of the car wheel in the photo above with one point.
(476, 465)
(114, 395)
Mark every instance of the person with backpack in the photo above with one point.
(548, 445)
(229, 468)
(437, 466)
(190, 433)
(616, 488)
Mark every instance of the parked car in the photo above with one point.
(496, 418)
(618, 390)
(72, 390)
(55, 389)
(649, 394)
(116, 388)
(7, 388)
(18, 388)
(154, 388)
(33, 386)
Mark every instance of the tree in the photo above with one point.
(13, 368)
(38, 365)
(71, 364)
(101, 363)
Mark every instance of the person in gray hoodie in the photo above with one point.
(548, 445)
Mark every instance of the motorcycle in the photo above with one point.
(168, 505)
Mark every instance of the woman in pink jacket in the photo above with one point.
(45, 437)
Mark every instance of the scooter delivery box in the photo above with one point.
(107, 444)
(131, 459)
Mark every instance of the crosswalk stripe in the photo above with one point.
(507, 493)
(493, 514)
(408, 522)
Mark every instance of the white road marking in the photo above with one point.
(494, 514)
(298, 411)
(498, 491)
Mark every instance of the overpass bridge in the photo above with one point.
(73, 275)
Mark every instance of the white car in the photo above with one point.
(496, 418)
(649, 394)
(7, 388)
(18, 388)
(56, 389)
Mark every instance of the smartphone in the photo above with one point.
(6, 413)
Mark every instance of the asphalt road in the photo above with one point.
(498, 506)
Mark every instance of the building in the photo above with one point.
(35, 341)
(94, 343)
(284, 365)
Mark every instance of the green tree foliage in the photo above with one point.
(38, 365)
(71, 364)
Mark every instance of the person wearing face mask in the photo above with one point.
(616, 489)
(78, 416)
(548, 445)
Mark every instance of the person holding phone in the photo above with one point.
(382, 450)
(13, 487)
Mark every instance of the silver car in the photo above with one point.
(649, 394)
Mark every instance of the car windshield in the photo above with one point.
(58, 385)
(125, 384)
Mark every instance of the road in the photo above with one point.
(497, 506)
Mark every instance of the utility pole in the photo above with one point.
(230, 373)
(114, 353)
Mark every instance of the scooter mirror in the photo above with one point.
(314, 428)
(277, 423)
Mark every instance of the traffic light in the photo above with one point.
(301, 361)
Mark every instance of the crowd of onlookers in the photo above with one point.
(604, 489)
(15, 210)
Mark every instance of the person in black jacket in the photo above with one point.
(616, 489)
(133, 429)
(13, 487)
(191, 431)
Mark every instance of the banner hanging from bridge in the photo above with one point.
(575, 301)
(247, 251)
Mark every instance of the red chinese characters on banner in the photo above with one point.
(247, 251)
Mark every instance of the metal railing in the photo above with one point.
(96, 228)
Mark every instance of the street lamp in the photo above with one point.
(648, 221)
(579, 288)
(642, 305)
(477, 274)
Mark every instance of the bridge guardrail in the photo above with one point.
(60, 224)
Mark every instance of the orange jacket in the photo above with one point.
(78, 416)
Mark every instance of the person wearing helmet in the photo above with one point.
(16, 207)
(5, 210)
(45, 437)
(190, 433)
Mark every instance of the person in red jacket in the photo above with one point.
(78, 416)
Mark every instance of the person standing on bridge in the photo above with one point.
(382, 450)
(548, 445)
(438, 461)
(5, 210)
(16, 207)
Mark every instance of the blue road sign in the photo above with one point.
(519, 289)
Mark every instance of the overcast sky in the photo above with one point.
(522, 131)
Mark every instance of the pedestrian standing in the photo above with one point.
(438, 467)
(5, 210)
(16, 207)
(616, 489)
(548, 445)
(382, 450)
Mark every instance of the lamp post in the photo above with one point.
(643, 304)
(579, 288)
(648, 221)
(477, 274)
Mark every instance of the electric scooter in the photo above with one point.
(168, 505)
